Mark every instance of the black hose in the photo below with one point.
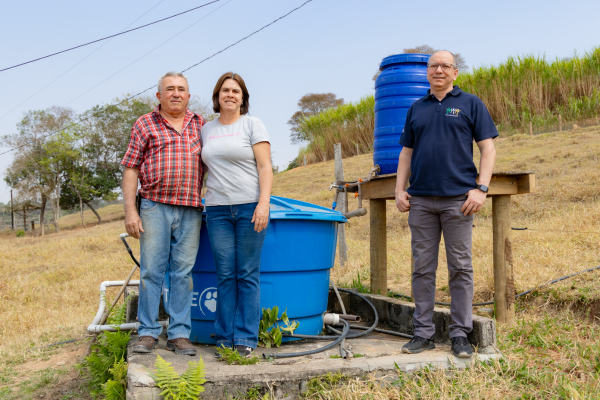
(404, 335)
(375, 323)
(320, 349)
(129, 251)
(487, 303)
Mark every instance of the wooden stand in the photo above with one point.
(502, 186)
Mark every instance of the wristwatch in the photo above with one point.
(483, 188)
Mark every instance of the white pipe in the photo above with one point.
(102, 306)
(132, 326)
(331, 319)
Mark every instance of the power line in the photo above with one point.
(218, 52)
(207, 58)
(108, 37)
(80, 61)
(138, 59)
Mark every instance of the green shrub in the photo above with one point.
(175, 387)
(20, 233)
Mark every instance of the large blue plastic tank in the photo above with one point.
(298, 252)
(403, 80)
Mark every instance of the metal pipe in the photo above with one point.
(353, 318)
(356, 213)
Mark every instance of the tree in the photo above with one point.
(459, 60)
(311, 104)
(35, 168)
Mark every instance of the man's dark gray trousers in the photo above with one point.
(428, 218)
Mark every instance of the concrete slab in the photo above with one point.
(288, 377)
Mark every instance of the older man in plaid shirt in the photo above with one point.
(164, 154)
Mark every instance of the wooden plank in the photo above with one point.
(377, 216)
(526, 184)
(502, 183)
(504, 288)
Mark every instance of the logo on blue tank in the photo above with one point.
(207, 301)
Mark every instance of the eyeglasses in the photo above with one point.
(445, 66)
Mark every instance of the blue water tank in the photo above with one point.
(298, 252)
(402, 81)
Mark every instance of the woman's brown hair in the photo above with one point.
(245, 95)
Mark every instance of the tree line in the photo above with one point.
(70, 160)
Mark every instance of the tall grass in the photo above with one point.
(518, 91)
(350, 124)
(532, 89)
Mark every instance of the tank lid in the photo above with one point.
(404, 58)
(284, 208)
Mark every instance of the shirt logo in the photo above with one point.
(452, 112)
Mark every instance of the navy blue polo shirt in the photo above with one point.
(441, 134)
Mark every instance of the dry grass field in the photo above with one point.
(49, 285)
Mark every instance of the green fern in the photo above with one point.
(188, 386)
(106, 364)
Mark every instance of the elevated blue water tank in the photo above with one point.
(403, 80)
(298, 252)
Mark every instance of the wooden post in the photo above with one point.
(559, 123)
(530, 128)
(357, 152)
(378, 247)
(305, 160)
(277, 170)
(33, 228)
(504, 287)
(342, 201)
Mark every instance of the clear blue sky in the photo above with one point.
(327, 46)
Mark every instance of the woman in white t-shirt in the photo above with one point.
(237, 157)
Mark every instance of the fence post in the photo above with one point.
(342, 202)
(305, 160)
(530, 128)
(504, 284)
(357, 152)
(559, 123)
(277, 170)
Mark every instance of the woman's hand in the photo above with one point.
(261, 216)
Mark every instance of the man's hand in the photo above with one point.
(402, 201)
(133, 224)
(261, 216)
(474, 202)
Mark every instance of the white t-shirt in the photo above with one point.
(229, 160)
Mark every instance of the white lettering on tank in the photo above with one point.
(194, 299)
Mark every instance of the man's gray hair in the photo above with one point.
(174, 74)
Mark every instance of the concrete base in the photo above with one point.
(288, 377)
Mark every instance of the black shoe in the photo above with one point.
(244, 351)
(461, 347)
(418, 344)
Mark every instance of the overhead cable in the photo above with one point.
(108, 37)
(207, 58)
(139, 58)
(79, 62)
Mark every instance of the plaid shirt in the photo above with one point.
(169, 162)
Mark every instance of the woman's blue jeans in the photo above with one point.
(169, 242)
(236, 248)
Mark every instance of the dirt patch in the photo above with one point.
(56, 377)
(589, 309)
(70, 355)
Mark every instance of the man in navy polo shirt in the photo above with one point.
(444, 194)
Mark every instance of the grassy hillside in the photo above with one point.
(49, 286)
(517, 92)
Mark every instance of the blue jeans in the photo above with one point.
(236, 248)
(169, 242)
